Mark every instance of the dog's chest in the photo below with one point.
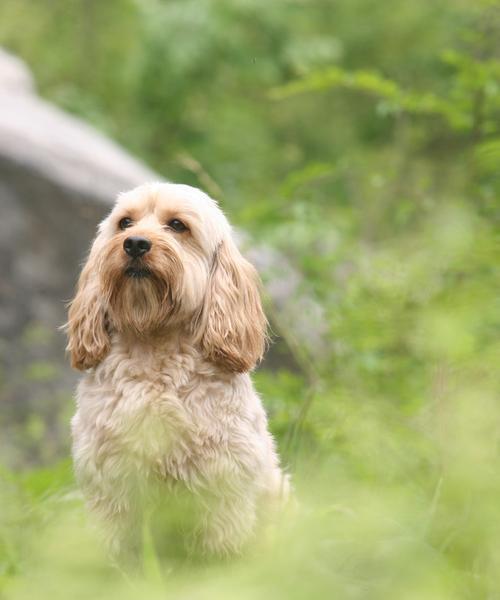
(148, 418)
(145, 410)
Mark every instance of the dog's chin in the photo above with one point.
(137, 272)
(141, 300)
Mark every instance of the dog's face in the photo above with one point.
(156, 250)
(164, 260)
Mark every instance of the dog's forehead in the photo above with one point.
(159, 197)
(170, 200)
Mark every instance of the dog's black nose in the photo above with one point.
(136, 246)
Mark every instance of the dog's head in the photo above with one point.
(164, 260)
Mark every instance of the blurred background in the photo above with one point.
(355, 144)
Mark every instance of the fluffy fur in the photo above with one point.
(166, 403)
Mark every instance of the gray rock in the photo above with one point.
(15, 76)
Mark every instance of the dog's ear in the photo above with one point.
(88, 338)
(233, 322)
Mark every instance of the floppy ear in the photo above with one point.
(88, 339)
(233, 322)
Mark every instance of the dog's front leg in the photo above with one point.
(110, 492)
(120, 524)
(228, 522)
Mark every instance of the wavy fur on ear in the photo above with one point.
(88, 339)
(233, 323)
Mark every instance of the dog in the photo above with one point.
(166, 325)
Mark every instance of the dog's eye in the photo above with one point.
(177, 225)
(124, 223)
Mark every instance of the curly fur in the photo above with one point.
(166, 402)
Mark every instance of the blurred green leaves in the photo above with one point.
(361, 140)
(472, 83)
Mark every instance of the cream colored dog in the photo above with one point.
(166, 323)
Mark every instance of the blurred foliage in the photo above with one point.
(362, 139)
